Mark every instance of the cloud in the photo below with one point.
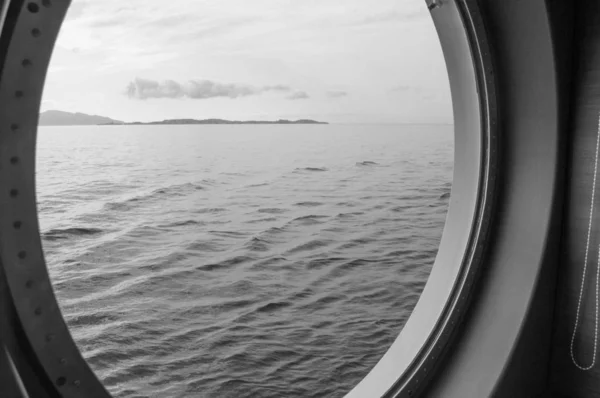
(278, 87)
(195, 89)
(402, 89)
(298, 95)
(337, 94)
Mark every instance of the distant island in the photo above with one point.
(60, 118)
(217, 121)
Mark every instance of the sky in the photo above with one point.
(340, 61)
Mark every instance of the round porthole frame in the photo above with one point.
(411, 361)
(29, 31)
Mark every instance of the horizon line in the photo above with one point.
(309, 124)
(260, 120)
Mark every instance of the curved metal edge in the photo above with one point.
(22, 391)
(504, 346)
(27, 39)
(413, 358)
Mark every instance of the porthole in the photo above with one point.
(473, 118)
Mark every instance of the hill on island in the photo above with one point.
(60, 118)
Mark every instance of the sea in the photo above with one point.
(240, 260)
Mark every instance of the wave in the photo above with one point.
(163, 193)
(233, 305)
(308, 204)
(229, 234)
(367, 163)
(323, 262)
(349, 215)
(261, 184)
(66, 233)
(209, 181)
(271, 210)
(268, 262)
(356, 242)
(210, 210)
(257, 245)
(327, 301)
(308, 246)
(183, 223)
(204, 246)
(273, 306)
(225, 264)
(316, 169)
(401, 209)
(310, 219)
(91, 319)
(262, 241)
(359, 262)
(273, 231)
(261, 220)
(347, 204)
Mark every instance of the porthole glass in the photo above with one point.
(241, 260)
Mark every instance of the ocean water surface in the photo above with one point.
(240, 261)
